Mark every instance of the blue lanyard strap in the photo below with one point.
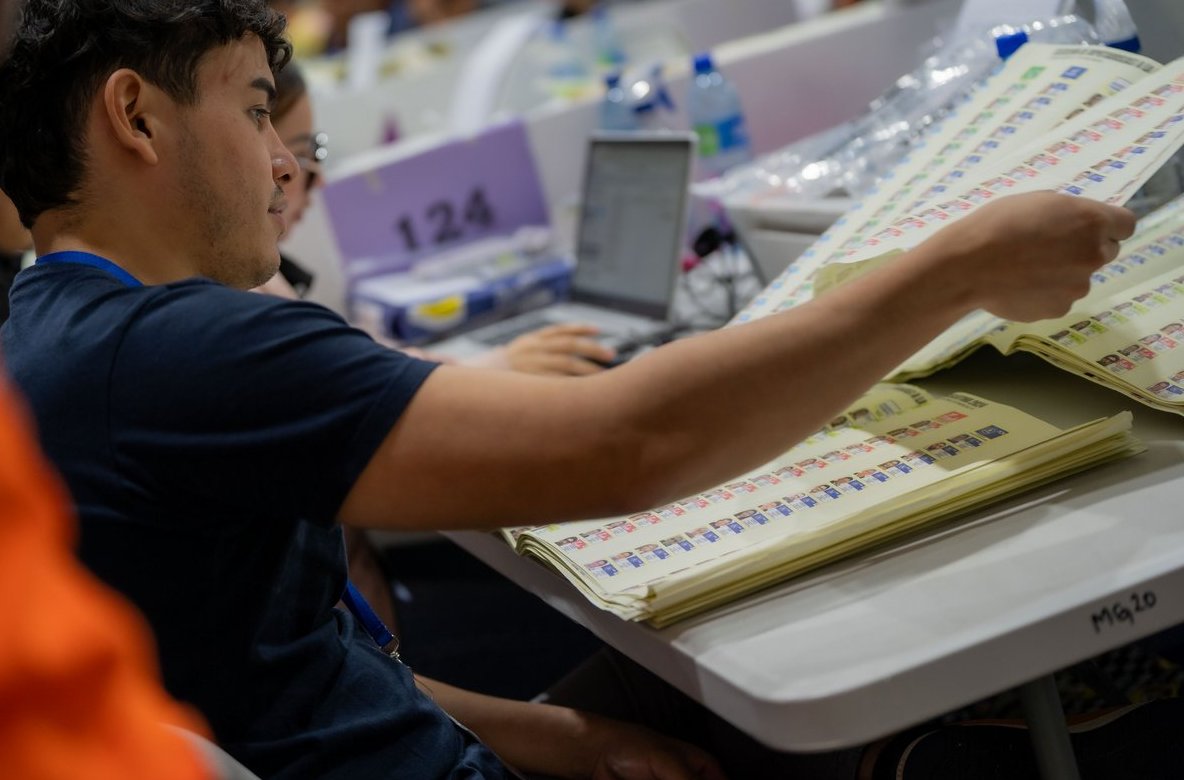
(370, 620)
(94, 261)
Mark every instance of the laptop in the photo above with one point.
(629, 239)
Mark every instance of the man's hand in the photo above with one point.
(566, 350)
(1029, 257)
(630, 752)
(542, 739)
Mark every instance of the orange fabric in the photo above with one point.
(79, 689)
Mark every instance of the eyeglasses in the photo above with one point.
(310, 160)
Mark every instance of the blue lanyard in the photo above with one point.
(361, 609)
(352, 598)
(94, 261)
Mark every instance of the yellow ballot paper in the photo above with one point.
(895, 461)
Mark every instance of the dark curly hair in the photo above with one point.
(64, 50)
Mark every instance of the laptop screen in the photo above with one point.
(632, 218)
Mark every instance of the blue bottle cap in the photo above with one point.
(1007, 45)
(703, 63)
(1131, 44)
(612, 80)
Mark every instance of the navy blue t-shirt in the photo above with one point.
(209, 437)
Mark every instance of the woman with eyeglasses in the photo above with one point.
(568, 349)
(292, 118)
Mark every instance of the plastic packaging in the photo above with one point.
(717, 118)
(616, 110)
(846, 160)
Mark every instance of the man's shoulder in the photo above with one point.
(195, 322)
(206, 297)
(198, 298)
(88, 297)
(208, 330)
(200, 309)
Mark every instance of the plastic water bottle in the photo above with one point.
(616, 112)
(652, 104)
(610, 56)
(1069, 30)
(718, 120)
(1112, 20)
(565, 74)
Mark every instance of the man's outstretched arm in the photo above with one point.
(692, 414)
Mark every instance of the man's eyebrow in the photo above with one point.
(267, 87)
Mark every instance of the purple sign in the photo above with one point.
(390, 218)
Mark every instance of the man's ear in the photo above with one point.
(132, 108)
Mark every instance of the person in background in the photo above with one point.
(14, 242)
(323, 26)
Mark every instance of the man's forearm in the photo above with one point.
(761, 387)
(534, 738)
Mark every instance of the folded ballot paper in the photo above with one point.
(897, 460)
(1084, 120)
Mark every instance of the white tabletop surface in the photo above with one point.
(874, 644)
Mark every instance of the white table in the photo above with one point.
(1000, 599)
